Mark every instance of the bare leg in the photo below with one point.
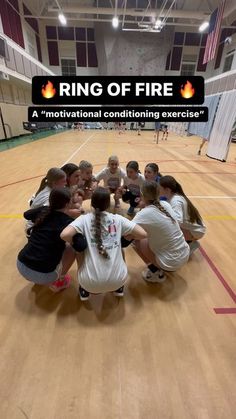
(123, 254)
(204, 140)
(154, 273)
(187, 235)
(64, 280)
(166, 133)
(143, 250)
(117, 200)
(80, 259)
(68, 259)
(157, 133)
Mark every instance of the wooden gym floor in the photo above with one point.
(164, 351)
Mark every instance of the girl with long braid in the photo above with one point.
(103, 269)
(165, 248)
(186, 213)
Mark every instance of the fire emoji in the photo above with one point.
(187, 91)
(48, 91)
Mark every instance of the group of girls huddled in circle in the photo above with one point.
(164, 230)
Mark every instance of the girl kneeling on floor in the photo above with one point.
(186, 213)
(103, 269)
(165, 248)
(45, 259)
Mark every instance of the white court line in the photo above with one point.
(211, 197)
(78, 149)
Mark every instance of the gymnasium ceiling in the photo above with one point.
(134, 13)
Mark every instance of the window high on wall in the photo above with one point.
(81, 40)
(188, 69)
(228, 63)
(68, 67)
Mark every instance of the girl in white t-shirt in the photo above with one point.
(103, 269)
(55, 178)
(112, 176)
(165, 248)
(133, 181)
(187, 215)
(87, 182)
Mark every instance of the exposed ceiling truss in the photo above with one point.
(134, 15)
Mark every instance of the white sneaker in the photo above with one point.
(193, 246)
(149, 276)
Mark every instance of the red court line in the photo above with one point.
(205, 173)
(19, 181)
(146, 161)
(100, 164)
(225, 310)
(219, 275)
(197, 161)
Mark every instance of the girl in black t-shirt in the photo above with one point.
(45, 259)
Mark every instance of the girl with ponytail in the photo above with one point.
(45, 259)
(165, 248)
(187, 215)
(151, 172)
(55, 178)
(103, 269)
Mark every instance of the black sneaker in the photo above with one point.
(119, 292)
(83, 294)
(199, 152)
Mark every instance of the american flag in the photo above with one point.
(213, 33)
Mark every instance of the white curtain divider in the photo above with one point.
(219, 141)
(203, 129)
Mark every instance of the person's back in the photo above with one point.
(46, 258)
(103, 268)
(41, 199)
(45, 247)
(186, 213)
(54, 178)
(180, 208)
(99, 274)
(165, 238)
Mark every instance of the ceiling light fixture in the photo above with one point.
(62, 19)
(115, 22)
(203, 26)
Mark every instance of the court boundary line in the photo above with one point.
(223, 281)
(78, 149)
(19, 181)
(225, 310)
(35, 177)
